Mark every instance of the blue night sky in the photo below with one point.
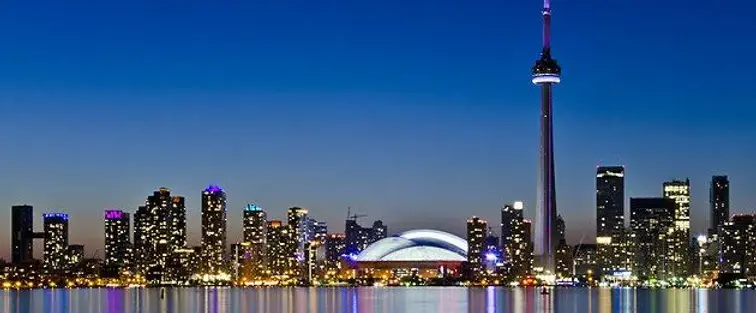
(419, 113)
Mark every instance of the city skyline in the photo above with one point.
(416, 118)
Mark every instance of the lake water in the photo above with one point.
(375, 300)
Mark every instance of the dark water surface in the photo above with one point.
(374, 300)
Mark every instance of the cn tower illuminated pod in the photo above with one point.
(546, 73)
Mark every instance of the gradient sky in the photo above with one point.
(419, 113)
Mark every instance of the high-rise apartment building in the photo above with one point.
(476, 233)
(610, 217)
(719, 203)
(213, 229)
(56, 242)
(515, 241)
(680, 239)
(178, 223)
(377, 232)
(335, 248)
(159, 229)
(320, 232)
(22, 233)
(255, 233)
(737, 254)
(297, 218)
(117, 239)
(652, 223)
(281, 259)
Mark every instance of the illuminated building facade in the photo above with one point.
(22, 233)
(377, 232)
(563, 255)
(297, 218)
(652, 223)
(476, 234)
(610, 217)
(56, 241)
(75, 255)
(255, 233)
(213, 229)
(358, 237)
(335, 248)
(737, 253)
(159, 229)
(719, 202)
(680, 239)
(117, 239)
(178, 223)
(281, 259)
(515, 241)
(585, 260)
(320, 232)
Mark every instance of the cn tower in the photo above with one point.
(546, 73)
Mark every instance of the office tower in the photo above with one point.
(335, 248)
(56, 241)
(213, 229)
(255, 232)
(719, 202)
(297, 218)
(546, 73)
(182, 264)
(117, 239)
(178, 223)
(610, 216)
(22, 233)
(476, 233)
(652, 222)
(321, 232)
(738, 246)
(377, 232)
(680, 239)
(515, 240)
(74, 255)
(281, 260)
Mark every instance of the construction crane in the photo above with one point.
(355, 216)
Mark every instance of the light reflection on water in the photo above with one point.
(376, 300)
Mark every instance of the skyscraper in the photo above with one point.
(564, 251)
(117, 239)
(56, 241)
(213, 229)
(652, 223)
(515, 242)
(298, 228)
(22, 233)
(610, 216)
(377, 232)
(321, 232)
(159, 229)
(680, 239)
(178, 223)
(719, 202)
(280, 250)
(255, 232)
(476, 234)
(335, 248)
(738, 246)
(546, 73)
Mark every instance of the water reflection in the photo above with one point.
(377, 300)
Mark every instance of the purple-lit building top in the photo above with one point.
(55, 215)
(113, 214)
(213, 189)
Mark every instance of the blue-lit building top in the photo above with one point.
(252, 208)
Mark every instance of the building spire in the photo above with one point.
(546, 26)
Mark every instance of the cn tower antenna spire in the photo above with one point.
(546, 25)
(546, 73)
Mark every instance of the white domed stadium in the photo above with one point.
(422, 249)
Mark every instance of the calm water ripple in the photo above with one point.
(376, 300)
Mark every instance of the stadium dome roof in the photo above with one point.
(417, 246)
